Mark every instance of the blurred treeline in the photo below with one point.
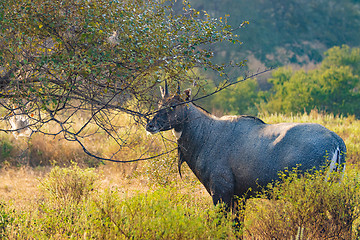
(332, 87)
(283, 32)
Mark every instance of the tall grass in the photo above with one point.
(163, 213)
(77, 202)
(300, 206)
(48, 150)
(320, 209)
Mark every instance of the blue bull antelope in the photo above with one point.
(231, 154)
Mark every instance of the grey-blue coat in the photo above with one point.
(231, 154)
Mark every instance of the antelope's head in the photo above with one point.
(171, 112)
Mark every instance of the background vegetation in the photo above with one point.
(332, 87)
(313, 47)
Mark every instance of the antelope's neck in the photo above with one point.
(194, 134)
(195, 130)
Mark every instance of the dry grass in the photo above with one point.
(19, 186)
(46, 151)
(19, 181)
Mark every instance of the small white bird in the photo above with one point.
(20, 125)
(113, 39)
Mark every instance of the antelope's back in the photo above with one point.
(270, 148)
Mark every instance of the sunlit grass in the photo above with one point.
(148, 199)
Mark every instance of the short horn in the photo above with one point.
(166, 92)
(178, 88)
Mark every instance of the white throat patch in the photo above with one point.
(177, 134)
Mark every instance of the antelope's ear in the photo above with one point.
(187, 94)
(162, 91)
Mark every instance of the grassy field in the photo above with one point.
(51, 190)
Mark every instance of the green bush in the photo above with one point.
(69, 185)
(6, 148)
(301, 207)
(306, 203)
(243, 98)
(64, 212)
(162, 214)
(69, 211)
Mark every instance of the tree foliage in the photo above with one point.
(242, 98)
(104, 57)
(332, 87)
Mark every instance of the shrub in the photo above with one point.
(162, 214)
(306, 203)
(64, 212)
(6, 148)
(69, 185)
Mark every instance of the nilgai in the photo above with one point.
(231, 154)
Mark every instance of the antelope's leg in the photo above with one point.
(222, 191)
